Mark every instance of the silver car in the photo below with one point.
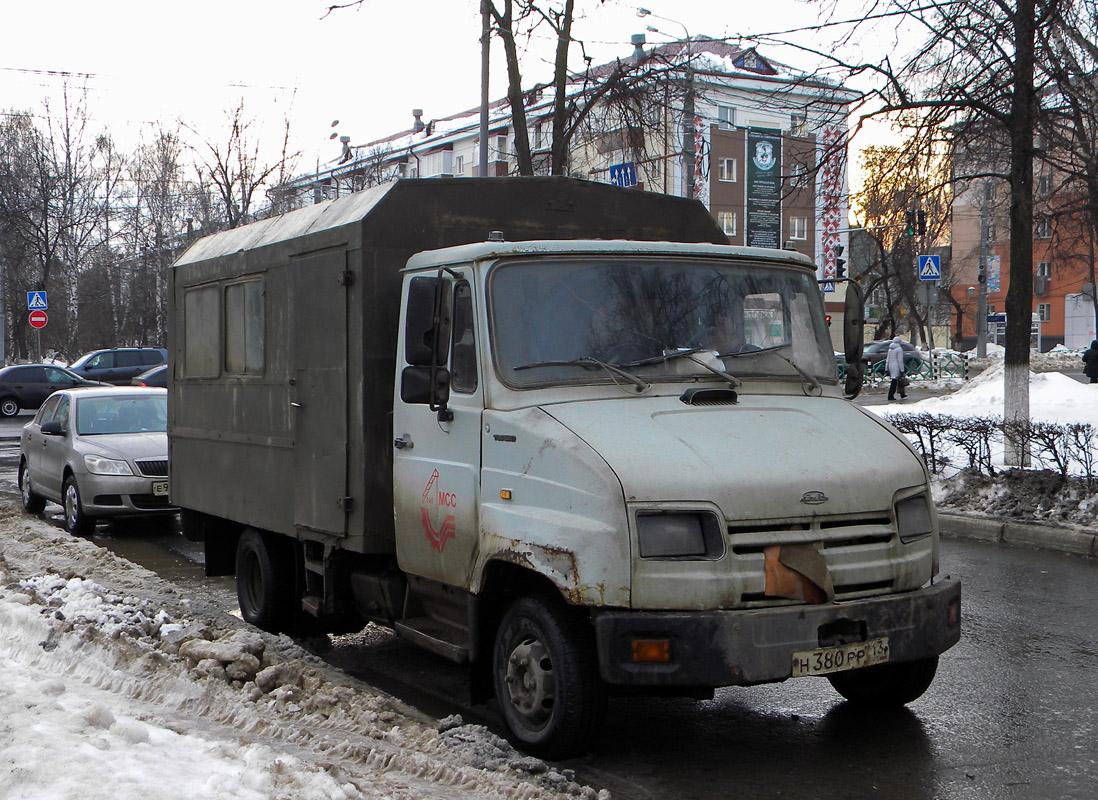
(98, 452)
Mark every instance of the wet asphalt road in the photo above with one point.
(1013, 712)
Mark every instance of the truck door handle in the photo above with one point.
(295, 404)
(402, 444)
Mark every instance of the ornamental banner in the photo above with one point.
(764, 188)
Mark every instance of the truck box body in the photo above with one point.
(312, 425)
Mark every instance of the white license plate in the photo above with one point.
(160, 488)
(837, 659)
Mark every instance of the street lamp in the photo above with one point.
(688, 155)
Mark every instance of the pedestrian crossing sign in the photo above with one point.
(36, 301)
(930, 268)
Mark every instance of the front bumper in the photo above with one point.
(738, 647)
(116, 495)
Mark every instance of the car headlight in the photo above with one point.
(913, 519)
(99, 465)
(681, 535)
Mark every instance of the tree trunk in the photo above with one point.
(559, 159)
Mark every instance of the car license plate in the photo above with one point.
(837, 659)
(160, 488)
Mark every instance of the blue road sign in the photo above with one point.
(930, 268)
(36, 301)
(623, 174)
(828, 286)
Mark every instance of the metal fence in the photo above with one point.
(935, 366)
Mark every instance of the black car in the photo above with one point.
(28, 386)
(874, 353)
(118, 365)
(157, 376)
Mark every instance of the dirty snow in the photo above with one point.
(117, 686)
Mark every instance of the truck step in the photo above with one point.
(448, 641)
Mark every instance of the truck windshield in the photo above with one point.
(657, 319)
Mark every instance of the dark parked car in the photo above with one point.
(157, 376)
(874, 353)
(28, 386)
(119, 365)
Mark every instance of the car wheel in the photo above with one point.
(33, 503)
(886, 685)
(261, 582)
(76, 521)
(546, 679)
(9, 407)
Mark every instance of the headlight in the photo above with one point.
(98, 465)
(913, 519)
(687, 535)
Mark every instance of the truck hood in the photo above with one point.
(767, 457)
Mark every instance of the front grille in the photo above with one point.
(157, 468)
(150, 502)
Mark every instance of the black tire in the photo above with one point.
(33, 503)
(9, 407)
(545, 671)
(76, 521)
(886, 685)
(262, 574)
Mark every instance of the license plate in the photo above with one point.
(837, 659)
(160, 488)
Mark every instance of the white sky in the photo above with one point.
(154, 62)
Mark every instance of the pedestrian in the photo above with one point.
(1090, 362)
(894, 363)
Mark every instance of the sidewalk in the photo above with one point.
(1043, 536)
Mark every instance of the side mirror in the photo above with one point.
(416, 387)
(853, 339)
(425, 342)
(52, 428)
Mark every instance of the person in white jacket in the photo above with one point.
(894, 363)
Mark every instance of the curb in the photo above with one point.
(1042, 536)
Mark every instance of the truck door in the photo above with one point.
(436, 464)
(319, 393)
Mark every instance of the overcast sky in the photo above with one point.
(156, 62)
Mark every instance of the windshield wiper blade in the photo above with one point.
(669, 356)
(588, 362)
(755, 352)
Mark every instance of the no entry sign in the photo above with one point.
(38, 319)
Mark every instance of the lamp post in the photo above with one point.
(687, 105)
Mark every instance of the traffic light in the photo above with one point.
(922, 223)
(910, 217)
(840, 263)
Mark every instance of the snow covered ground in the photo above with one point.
(116, 686)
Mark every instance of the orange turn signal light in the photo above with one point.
(652, 651)
(504, 494)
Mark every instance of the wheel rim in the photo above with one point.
(531, 685)
(72, 505)
(25, 485)
(9, 408)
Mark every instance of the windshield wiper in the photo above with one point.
(588, 362)
(671, 355)
(755, 352)
(815, 383)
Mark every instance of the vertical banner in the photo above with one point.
(764, 188)
(994, 274)
(829, 195)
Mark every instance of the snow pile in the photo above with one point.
(117, 687)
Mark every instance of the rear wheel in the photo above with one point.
(886, 685)
(76, 521)
(262, 573)
(546, 678)
(33, 502)
(9, 407)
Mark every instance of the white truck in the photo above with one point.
(611, 457)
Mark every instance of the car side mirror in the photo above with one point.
(52, 428)
(416, 386)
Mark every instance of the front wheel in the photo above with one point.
(76, 521)
(885, 685)
(9, 407)
(546, 678)
(33, 503)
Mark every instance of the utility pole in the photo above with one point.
(981, 303)
(485, 42)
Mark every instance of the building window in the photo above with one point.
(798, 228)
(1043, 228)
(798, 124)
(798, 176)
(201, 332)
(726, 170)
(726, 117)
(1044, 312)
(1044, 269)
(727, 220)
(1044, 185)
(459, 165)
